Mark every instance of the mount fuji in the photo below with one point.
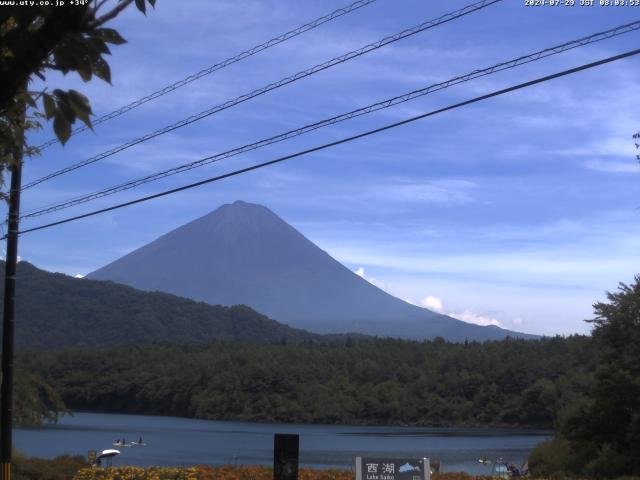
(243, 253)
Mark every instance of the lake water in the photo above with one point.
(181, 441)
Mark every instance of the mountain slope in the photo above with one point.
(57, 311)
(243, 253)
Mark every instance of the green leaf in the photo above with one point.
(62, 127)
(110, 35)
(141, 6)
(49, 105)
(74, 51)
(64, 105)
(152, 3)
(32, 125)
(26, 96)
(62, 59)
(98, 45)
(81, 107)
(79, 101)
(102, 70)
(84, 74)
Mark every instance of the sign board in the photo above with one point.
(286, 447)
(91, 457)
(392, 468)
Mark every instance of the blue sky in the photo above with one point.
(519, 211)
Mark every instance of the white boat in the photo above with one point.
(121, 443)
(139, 443)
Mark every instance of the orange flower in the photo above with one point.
(226, 472)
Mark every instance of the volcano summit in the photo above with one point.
(243, 253)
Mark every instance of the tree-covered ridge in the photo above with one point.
(55, 311)
(382, 382)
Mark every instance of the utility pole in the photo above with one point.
(6, 390)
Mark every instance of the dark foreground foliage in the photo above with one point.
(599, 433)
(59, 468)
(34, 400)
(383, 382)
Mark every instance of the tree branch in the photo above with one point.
(110, 15)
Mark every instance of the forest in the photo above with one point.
(381, 381)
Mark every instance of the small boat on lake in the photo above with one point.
(121, 443)
(139, 443)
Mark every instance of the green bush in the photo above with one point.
(552, 459)
(63, 467)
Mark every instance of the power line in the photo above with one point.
(272, 86)
(219, 66)
(596, 37)
(341, 141)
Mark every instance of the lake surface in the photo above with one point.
(182, 441)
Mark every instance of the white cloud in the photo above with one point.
(167, 151)
(432, 303)
(468, 315)
(78, 276)
(471, 316)
(615, 146)
(443, 191)
(574, 262)
(371, 280)
(435, 304)
(630, 166)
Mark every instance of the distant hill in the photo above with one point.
(243, 253)
(57, 311)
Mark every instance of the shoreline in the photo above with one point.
(530, 429)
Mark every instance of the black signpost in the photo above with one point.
(285, 456)
(392, 468)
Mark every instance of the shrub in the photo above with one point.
(59, 468)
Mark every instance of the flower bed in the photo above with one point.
(202, 473)
(224, 473)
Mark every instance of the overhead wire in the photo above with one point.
(474, 7)
(522, 60)
(219, 66)
(341, 141)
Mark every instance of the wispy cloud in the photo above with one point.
(468, 315)
(612, 166)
